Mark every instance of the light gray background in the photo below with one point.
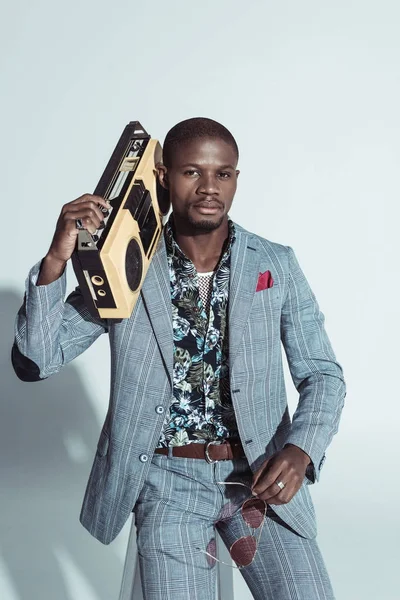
(311, 91)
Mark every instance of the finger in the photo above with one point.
(89, 207)
(268, 478)
(95, 215)
(279, 499)
(259, 472)
(270, 493)
(91, 223)
(284, 496)
(274, 494)
(91, 198)
(291, 481)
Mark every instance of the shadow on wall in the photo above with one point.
(48, 436)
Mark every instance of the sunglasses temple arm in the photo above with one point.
(261, 528)
(233, 483)
(217, 559)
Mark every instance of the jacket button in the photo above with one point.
(159, 410)
(143, 458)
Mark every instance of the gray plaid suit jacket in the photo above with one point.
(50, 332)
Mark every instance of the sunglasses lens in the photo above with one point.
(243, 550)
(253, 512)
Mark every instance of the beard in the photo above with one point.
(205, 224)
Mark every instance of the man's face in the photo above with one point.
(202, 182)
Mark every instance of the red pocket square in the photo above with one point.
(265, 281)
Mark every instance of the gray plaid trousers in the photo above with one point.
(175, 516)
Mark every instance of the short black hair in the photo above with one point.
(195, 128)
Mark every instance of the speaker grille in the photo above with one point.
(133, 265)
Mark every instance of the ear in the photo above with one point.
(237, 174)
(162, 175)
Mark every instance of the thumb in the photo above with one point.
(259, 472)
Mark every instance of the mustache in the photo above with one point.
(209, 202)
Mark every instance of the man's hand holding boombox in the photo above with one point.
(87, 210)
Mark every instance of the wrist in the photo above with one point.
(50, 270)
(54, 261)
(302, 454)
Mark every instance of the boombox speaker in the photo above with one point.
(111, 264)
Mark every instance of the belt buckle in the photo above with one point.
(206, 454)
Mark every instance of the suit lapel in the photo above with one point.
(156, 295)
(245, 260)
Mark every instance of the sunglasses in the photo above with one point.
(243, 550)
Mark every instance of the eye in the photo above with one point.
(191, 172)
(224, 174)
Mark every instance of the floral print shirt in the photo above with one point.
(201, 408)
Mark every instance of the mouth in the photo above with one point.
(208, 208)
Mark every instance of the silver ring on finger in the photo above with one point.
(79, 224)
(280, 484)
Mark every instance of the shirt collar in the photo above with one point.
(174, 250)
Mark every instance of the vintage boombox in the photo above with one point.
(111, 264)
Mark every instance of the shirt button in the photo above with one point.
(159, 410)
(143, 458)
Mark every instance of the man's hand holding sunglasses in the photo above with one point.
(280, 477)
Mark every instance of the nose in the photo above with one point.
(208, 185)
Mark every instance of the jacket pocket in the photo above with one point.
(270, 298)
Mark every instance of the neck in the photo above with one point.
(203, 248)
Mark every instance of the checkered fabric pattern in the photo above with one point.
(52, 331)
(177, 512)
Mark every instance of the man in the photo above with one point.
(198, 404)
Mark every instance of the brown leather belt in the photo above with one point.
(210, 451)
